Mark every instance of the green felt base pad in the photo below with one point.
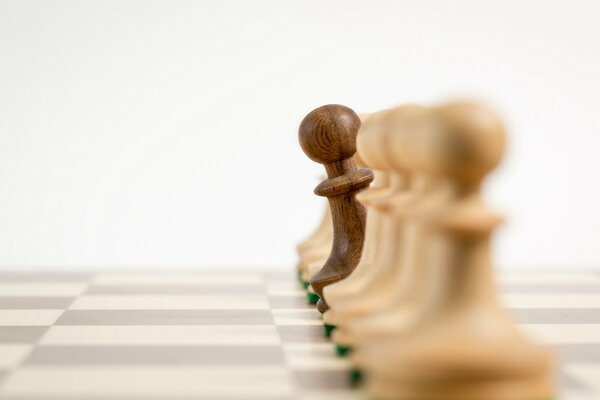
(312, 298)
(342, 351)
(328, 329)
(355, 376)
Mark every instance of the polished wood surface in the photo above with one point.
(328, 136)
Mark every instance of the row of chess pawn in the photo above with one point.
(401, 265)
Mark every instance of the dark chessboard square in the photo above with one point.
(45, 276)
(166, 317)
(550, 289)
(557, 315)
(322, 379)
(35, 303)
(580, 353)
(156, 355)
(301, 334)
(21, 334)
(292, 301)
(136, 290)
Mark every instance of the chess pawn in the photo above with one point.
(316, 236)
(464, 346)
(351, 286)
(316, 255)
(407, 131)
(316, 247)
(312, 296)
(376, 291)
(328, 136)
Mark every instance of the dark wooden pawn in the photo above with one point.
(328, 136)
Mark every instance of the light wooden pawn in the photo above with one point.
(315, 249)
(464, 346)
(406, 129)
(376, 288)
(379, 187)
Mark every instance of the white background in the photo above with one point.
(163, 134)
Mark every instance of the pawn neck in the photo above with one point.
(463, 253)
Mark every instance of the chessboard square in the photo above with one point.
(35, 303)
(301, 334)
(555, 288)
(314, 356)
(178, 279)
(341, 394)
(156, 355)
(161, 335)
(184, 382)
(291, 302)
(566, 382)
(65, 276)
(13, 354)
(283, 275)
(190, 302)
(43, 289)
(21, 334)
(578, 353)
(322, 380)
(578, 395)
(28, 317)
(285, 288)
(588, 375)
(165, 317)
(163, 290)
(548, 277)
(541, 300)
(557, 315)
(552, 334)
(296, 317)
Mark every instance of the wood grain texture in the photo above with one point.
(328, 136)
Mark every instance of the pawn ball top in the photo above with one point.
(474, 141)
(405, 131)
(370, 142)
(328, 133)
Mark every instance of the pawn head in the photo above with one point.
(405, 135)
(471, 143)
(328, 133)
(370, 143)
(360, 163)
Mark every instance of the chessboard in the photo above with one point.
(233, 335)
